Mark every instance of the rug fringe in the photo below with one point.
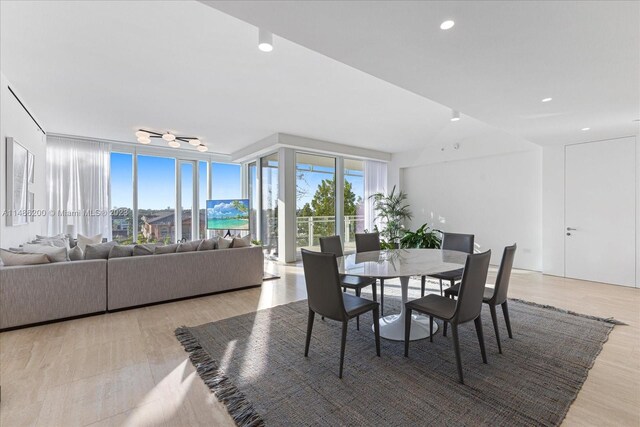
(240, 409)
(610, 320)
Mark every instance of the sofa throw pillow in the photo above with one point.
(189, 246)
(54, 253)
(99, 250)
(11, 258)
(76, 254)
(60, 240)
(208, 244)
(241, 242)
(144, 249)
(120, 251)
(166, 249)
(83, 241)
(224, 243)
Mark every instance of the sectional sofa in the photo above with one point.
(42, 293)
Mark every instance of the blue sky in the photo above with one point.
(156, 181)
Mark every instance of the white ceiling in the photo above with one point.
(105, 69)
(496, 64)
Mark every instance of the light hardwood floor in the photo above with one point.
(127, 368)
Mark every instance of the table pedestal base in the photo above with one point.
(392, 327)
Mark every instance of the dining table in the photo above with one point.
(402, 263)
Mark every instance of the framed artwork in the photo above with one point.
(17, 183)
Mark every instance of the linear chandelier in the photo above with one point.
(144, 137)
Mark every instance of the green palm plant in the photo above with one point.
(392, 210)
(423, 238)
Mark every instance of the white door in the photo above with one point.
(600, 211)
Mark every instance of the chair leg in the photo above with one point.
(407, 331)
(478, 323)
(431, 328)
(343, 344)
(505, 311)
(381, 297)
(494, 318)
(312, 316)
(373, 292)
(444, 328)
(441, 293)
(423, 285)
(358, 317)
(456, 349)
(376, 328)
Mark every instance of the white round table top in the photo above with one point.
(401, 262)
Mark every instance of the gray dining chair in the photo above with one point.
(451, 242)
(367, 242)
(466, 308)
(325, 298)
(496, 296)
(333, 245)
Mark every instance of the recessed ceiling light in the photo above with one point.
(585, 129)
(265, 40)
(447, 25)
(547, 99)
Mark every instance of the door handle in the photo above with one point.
(571, 229)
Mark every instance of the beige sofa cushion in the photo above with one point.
(166, 249)
(99, 250)
(241, 242)
(11, 258)
(224, 243)
(189, 246)
(208, 244)
(83, 241)
(54, 253)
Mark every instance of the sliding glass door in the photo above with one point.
(156, 199)
(315, 199)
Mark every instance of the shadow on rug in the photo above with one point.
(255, 365)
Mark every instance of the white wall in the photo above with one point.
(553, 210)
(497, 198)
(16, 123)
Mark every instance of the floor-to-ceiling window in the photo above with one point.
(156, 199)
(315, 199)
(353, 201)
(269, 224)
(122, 197)
(252, 176)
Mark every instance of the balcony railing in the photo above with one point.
(311, 228)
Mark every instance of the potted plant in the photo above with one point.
(392, 210)
(423, 238)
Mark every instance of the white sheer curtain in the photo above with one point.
(78, 186)
(375, 181)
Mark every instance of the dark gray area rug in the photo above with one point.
(255, 365)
